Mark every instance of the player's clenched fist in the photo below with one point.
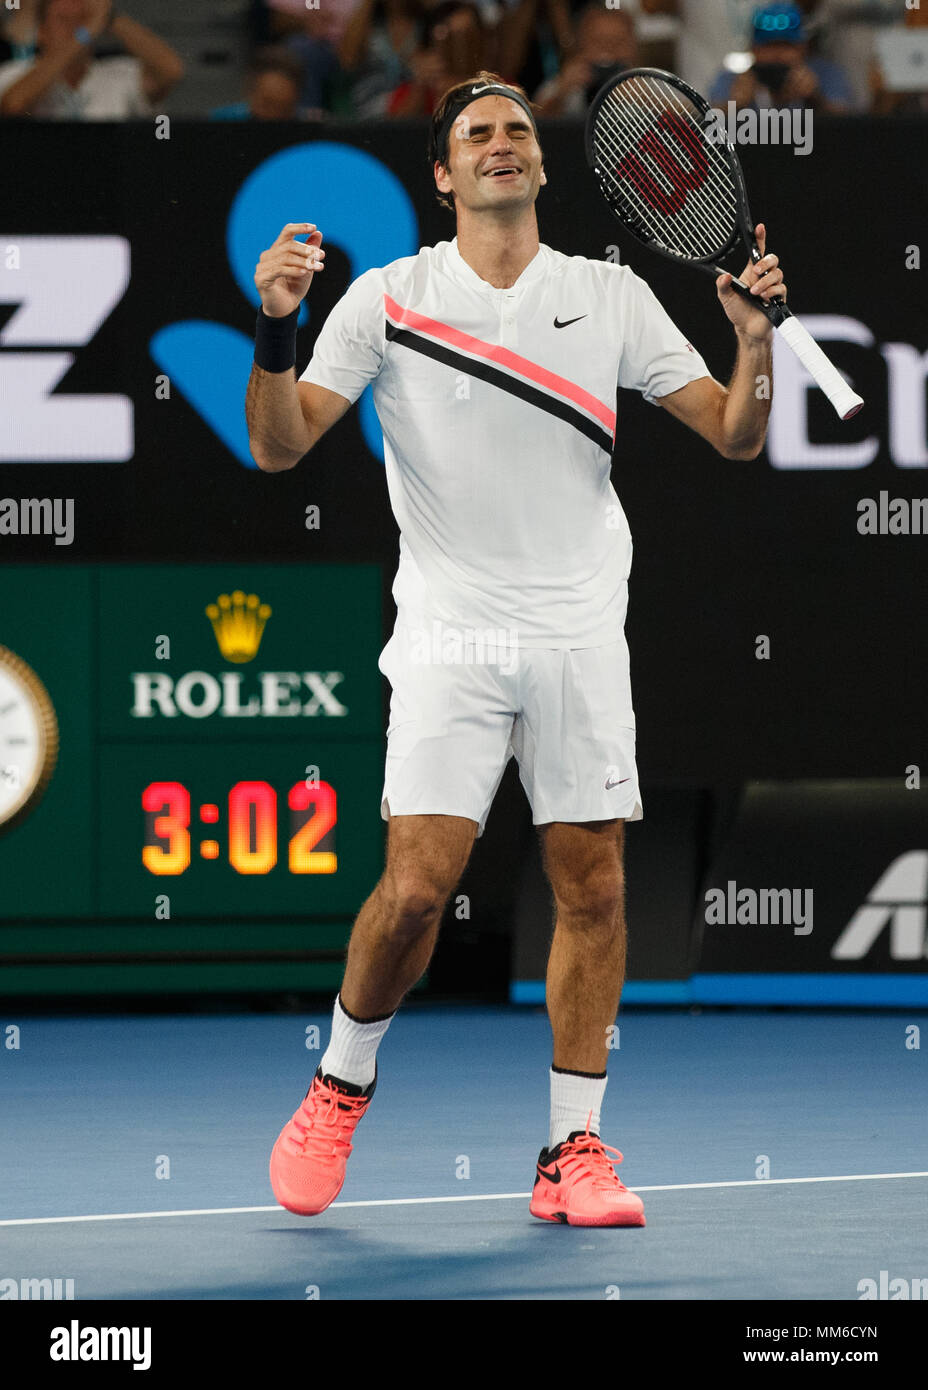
(285, 270)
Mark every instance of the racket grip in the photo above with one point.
(825, 374)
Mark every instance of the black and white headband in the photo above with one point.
(464, 98)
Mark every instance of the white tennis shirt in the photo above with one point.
(498, 410)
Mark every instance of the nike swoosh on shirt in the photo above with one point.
(610, 785)
(568, 322)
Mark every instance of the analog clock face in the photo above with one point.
(28, 739)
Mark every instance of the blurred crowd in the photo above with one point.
(382, 59)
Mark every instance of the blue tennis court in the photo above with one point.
(831, 1106)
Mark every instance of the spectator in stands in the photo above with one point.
(887, 103)
(453, 45)
(533, 38)
(287, 17)
(17, 30)
(783, 74)
(313, 36)
(376, 50)
(846, 32)
(709, 29)
(272, 89)
(64, 81)
(606, 44)
(258, 22)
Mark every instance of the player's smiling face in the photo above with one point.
(493, 155)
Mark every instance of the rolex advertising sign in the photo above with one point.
(220, 652)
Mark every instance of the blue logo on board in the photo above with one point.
(362, 208)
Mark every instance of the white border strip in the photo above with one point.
(427, 1201)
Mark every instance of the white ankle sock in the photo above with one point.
(352, 1050)
(573, 1097)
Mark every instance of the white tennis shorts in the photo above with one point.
(461, 709)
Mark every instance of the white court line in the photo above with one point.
(425, 1201)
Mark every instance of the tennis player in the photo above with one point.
(494, 362)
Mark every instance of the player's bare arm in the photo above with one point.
(286, 417)
(734, 418)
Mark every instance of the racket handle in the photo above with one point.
(825, 374)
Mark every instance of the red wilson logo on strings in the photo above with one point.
(682, 180)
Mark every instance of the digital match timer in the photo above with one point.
(251, 820)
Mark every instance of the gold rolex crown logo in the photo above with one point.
(238, 621)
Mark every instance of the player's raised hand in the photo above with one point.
(285, 271)
(765, 281)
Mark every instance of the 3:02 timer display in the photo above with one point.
(252, 823)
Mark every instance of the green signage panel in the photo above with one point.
(186, 747)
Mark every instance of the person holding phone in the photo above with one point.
(783, 73)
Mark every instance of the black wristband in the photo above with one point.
(275, 342)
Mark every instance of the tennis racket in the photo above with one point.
(671, 179)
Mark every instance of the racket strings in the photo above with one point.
(626, 125)
(706, 219)
(705, 228)
(676, 236)
(676, 233)
(714, 206)
(722, 201)
(694, 241)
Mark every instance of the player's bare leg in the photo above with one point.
(391, 945)
(586, 966)
(395, 932)
(575, 1181)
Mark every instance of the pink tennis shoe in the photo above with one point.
(309, 1159)
(577, 1185)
